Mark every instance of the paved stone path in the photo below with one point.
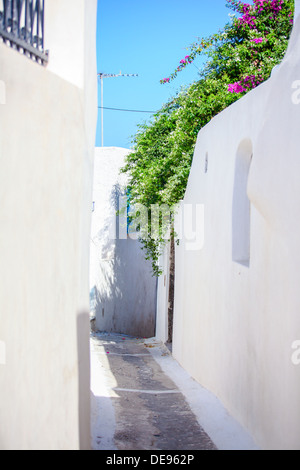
(150, 412)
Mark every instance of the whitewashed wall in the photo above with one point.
(161, 329)
(237, 300)
(122, 286)
(47, 132)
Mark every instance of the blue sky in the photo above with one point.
(148, 38)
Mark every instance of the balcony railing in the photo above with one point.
(22, 27)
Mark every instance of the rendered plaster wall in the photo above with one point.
(122, 286)
(161, 330)
(47, 127)
(237, 299)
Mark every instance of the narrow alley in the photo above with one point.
(136, 405)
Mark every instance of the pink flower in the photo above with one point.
(236, 88)
(250, 81)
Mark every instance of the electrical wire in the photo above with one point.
(127, 110)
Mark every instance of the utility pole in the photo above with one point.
(109, 75)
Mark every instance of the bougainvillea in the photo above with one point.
(257, 39)
(239, 58)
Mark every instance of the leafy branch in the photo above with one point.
(239, 58)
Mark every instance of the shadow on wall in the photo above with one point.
(106, 236)
(83, 355)
(124, 294)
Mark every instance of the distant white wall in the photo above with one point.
(47, 132)
(161, 331)
(121, 280)
(236, 318)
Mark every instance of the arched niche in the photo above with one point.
(241, 206)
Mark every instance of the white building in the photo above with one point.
(48, 114)
(123, 288)
(237, 299)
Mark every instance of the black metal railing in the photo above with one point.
(22, 27)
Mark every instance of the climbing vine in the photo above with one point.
(239, 58)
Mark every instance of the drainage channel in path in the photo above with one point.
(135, 405)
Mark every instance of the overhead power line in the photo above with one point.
(128, 110)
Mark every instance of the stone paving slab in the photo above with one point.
(150, 411)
